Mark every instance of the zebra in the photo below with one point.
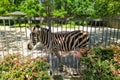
(61, 41)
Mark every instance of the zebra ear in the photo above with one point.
(33, 29)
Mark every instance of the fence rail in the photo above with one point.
(15, 33)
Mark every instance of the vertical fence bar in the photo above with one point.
(26, 32)
(103, 30)
(21, 37)
(15, 34)
(87, 31)
(10, 51)
(4, 43)
(91, 20)
(110, 32)
(118, 35)
(95, 35)
(50, 45)
(2, 39)
(114, 31)
(106, 36)
(100, 25)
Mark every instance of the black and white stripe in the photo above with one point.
(61, 41)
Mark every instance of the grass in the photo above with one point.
(23, 25)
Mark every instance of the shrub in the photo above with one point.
(102, 64)
(17, 67)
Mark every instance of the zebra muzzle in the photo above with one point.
(29, 45)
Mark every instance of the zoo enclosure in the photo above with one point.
(15, 32)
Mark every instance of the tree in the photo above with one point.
(59, 9)
(80, 8)
(15, 4)
(107, 8)
(7, 6)
(32, 8)
(73, 8)
(62, 8)
(47, 7)
(4, 6)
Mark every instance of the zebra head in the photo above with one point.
(38, 34)
(34, 38)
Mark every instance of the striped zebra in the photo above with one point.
(61, 41)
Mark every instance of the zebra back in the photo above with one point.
(65, 41)
(70, 40)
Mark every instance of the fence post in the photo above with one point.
(4, 36)
(50, 45)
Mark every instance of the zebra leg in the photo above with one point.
(81, 52)
(58, 54)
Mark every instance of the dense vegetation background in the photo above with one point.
(62, 8)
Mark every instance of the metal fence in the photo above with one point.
(15, 34)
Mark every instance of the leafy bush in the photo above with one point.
(102, 64)
(17, 67)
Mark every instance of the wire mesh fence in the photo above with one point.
(15, 35)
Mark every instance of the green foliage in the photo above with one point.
(17, 67)
(59, 13)
(62, 8)
(4, 6)
(7, 6)
(104, 53)
(102, 64)
(23, 25)
(83, 8)
(32, 8)
(107, 8)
